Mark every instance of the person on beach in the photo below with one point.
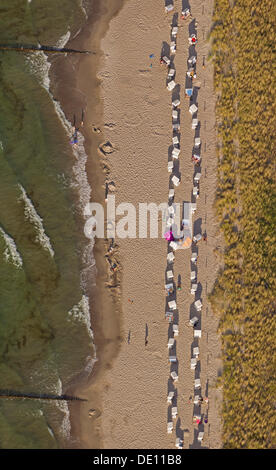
(146, 335)
(205, 236)
(131, 301)
(114, 267)
(74, 140)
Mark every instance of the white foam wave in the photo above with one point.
(83, 9)
(35, 219)
(90, 361)
(11, 254)
(39, 67)
(81, 313)
(50, 431)
(65, 425)
(63, 407)
(63, 40)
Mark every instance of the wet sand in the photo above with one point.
(129, 103)
(75, 84)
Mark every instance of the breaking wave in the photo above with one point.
(81, 313)
(35, 219)
(11, 253)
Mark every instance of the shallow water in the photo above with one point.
(44, 328)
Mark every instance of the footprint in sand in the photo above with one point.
(106, 148)
(110, 125)
(132, 121)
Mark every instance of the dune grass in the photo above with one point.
(243, 38)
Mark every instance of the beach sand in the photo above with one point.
(129, 384)
(74, 83)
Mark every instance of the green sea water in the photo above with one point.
(44, 332)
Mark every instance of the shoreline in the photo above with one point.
(83, 87)
(118, 387)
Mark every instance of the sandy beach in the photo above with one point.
(129, 384)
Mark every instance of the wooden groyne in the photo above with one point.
(38, 396)
(40, 47)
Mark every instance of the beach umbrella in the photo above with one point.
(169, 236)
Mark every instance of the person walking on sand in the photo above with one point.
(205, 236)
(146, 335)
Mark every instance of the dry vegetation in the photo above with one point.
(243, 39)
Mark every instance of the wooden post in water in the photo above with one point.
(38, 396)
(32, 47)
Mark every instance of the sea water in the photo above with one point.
(45, 332)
